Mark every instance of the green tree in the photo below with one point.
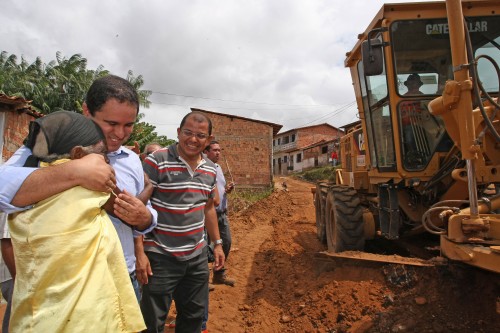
(144, 133)
(62, 84)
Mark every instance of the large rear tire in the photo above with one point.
(344, 220)
(319, 202)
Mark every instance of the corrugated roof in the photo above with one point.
(19, 104)
(311, 126)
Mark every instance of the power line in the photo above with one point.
(239, 101)
(238, 108)
(331, 114)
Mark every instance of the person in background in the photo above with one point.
(113, 103)
(413, 83)
(410, 117)
(7, 270)
(335, 158)
(184, 189)
(149, 149)
(213, 152)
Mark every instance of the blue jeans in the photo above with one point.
(136, 286)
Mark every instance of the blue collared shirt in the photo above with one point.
(12, 177)
(221, 188)
(129, 176)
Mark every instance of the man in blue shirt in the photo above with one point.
(213, 152)
(113, 103)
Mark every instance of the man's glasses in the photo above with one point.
(188, 133)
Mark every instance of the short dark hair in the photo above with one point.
(107, 87)
(199, 117)
(213, 142)
(150, 144)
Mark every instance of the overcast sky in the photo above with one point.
(280, 61)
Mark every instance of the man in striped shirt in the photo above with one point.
(184, 190)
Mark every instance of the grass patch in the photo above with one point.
(243, 198)
(326, 173)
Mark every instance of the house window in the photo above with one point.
(299, 157)
(279, 142)
(285, 159)
(274, 143)
(286, 139)
(324, 149)
(293, 137)
(274, 162)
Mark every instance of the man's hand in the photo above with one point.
(229, 187)
(219, 257)
(135, 148)
(94, 173)
(132, 211)
(213, 233)
(142, 265)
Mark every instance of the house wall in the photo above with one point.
(315, 156)
(14, 131)
(308, 136)
(291, 165)
(303, 137)
(247, 148)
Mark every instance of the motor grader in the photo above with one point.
(425, 156)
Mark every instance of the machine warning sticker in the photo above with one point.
(361, 160)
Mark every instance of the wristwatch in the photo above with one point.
(217, 242)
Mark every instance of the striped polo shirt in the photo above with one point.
(179, 197)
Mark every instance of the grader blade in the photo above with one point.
(362, 258)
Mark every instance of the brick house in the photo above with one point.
(289, 147)
(15, 116)
(318, 154)
(246, 148)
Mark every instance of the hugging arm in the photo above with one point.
(91, 172)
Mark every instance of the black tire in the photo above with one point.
(320, 215)
(344, 220)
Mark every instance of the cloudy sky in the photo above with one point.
(279, 61)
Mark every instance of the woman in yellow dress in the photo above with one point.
(71, 272)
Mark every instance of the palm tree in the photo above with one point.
(144, 134)
(137, 82)
(62, 84)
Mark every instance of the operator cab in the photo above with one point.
(419, 56)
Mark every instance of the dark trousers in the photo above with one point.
(7, 290)
(187, 281)
(225, 235)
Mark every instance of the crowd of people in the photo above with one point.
(96, 237)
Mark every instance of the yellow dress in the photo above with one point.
(71, 271)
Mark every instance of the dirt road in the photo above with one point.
(283, 287)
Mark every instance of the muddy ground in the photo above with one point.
(284, 286)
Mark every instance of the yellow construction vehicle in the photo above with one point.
(426, 154)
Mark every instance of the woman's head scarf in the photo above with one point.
(61, 131)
